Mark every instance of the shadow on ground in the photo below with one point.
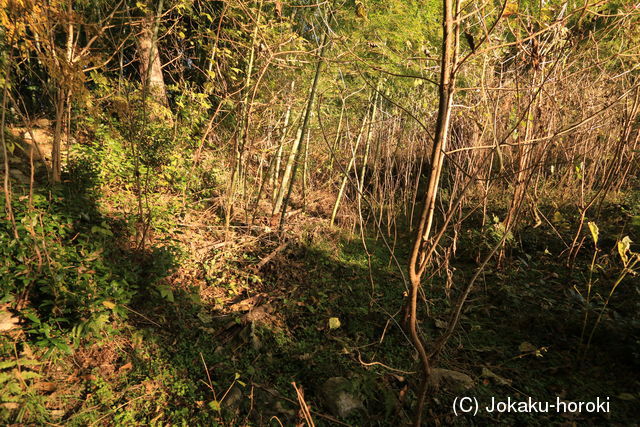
(156, 350)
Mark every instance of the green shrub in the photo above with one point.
(63, 264)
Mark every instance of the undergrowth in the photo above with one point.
(193, 330)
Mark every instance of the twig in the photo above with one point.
(383, 365)
(116, 409)
(318, 414)
(206, 369)
(306, 413)
(143, 316)
(269, 257)
(277, 419)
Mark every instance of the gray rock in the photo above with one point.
(233, 399)
(451, 380)
(339, 398)
(268, 403)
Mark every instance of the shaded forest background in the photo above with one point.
(335, 213)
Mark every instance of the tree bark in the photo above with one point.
(367, 142)
(8, 205)
(150, 63)
(63, 102)
(242, 138)
(416, 262)
(288, 178)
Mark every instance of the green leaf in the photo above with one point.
(166, 292)
(98, 322)
(32, 317)
(7, 364)
(29, 375)
(527, 347)
(215, 405)
(61, 345)
(6, 376)
(205, 317)
(101, 230)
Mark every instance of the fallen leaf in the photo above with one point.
(10, 405)
(334, 323)
(125, 367)
(8, 321)
(57, 413)
(45, 386)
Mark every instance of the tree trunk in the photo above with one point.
(367, 144)
(416, 263)
(63, 104)
(56, 166)
(345, 178)
(242, 137)
(150, 63)
(288, 178)
(8, 206)
(278, 160)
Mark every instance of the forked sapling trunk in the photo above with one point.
(417, 262)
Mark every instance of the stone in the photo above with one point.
(451, 380)
(269, 403)
(338, 397)
(42, 123)
(233, 399)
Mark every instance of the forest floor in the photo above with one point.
(220, 325)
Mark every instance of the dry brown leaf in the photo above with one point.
(45, 386)
(8, 321)
(10, 405)
(125, 367)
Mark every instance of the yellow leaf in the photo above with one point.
(623, 247)
(109, 305)
(557, 217)
(510, 9)
(334, 323)
(361, 12)
(594, 231)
